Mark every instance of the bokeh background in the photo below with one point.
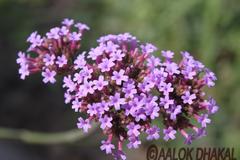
(209, 29)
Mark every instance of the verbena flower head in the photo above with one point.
(182, 101)
(51, 54)
(110, 90)
(121, 85)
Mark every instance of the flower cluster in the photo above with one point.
(51, 54)
(125, 88)
(122, 86)
(109, 90)
(182, 102)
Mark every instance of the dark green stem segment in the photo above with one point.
(43, 138)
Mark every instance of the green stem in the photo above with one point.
(42, 138)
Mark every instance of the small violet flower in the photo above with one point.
(153, 133)
(100, 83)
(116, 101)
(169, 133)
(49, 76)
(61, 61)
(106, 65)
(107, 146)
(119, 77)
(84, 124)
(188, 98)
(105, 122)
(204, 120)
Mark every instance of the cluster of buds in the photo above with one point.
(122, 86)
(53, 53)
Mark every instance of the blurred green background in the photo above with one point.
(209, 29)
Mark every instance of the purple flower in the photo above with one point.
(131, 107)
(74, 36)
(169, 133)
(61, 61)
(153, 62)
(199, 66)
(148, 48)
(22, 59)
(188, 98)
(119, 155)
(32, 37)
(83, 124)
(134, 142)
(104, 105)
(88, 87)
(107, 146)
(95, 52)
(63, 31)
(35, 40)
(68, 83)
(175, 111)
(92, 109)
(152, 111)
(212, 106)
(100, 83)
(80, 92)
(68, 22)
(200, 132)
(68, 97)
(106, 65)
(86, 73)
(172, 68)
(209, 78)
(100, 109)
(140, 114)
(54, 33)
(105, 122)
(81, 26)
(78, 78)
(153, 133)
(189, 139)
(76, 105)
(186, 55)
(24, 71)
(204, 120)
(120, 37)
(119, 77)
(166, 102)
(80, 62)
(129, 89)
(49, 59)
(117, 55)
(110, 47)
(49, 76)
(116, 101)
(161, 73)
(189, 73)
(168, 54)
(166, 88)
(146, 86)
(133, 129)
